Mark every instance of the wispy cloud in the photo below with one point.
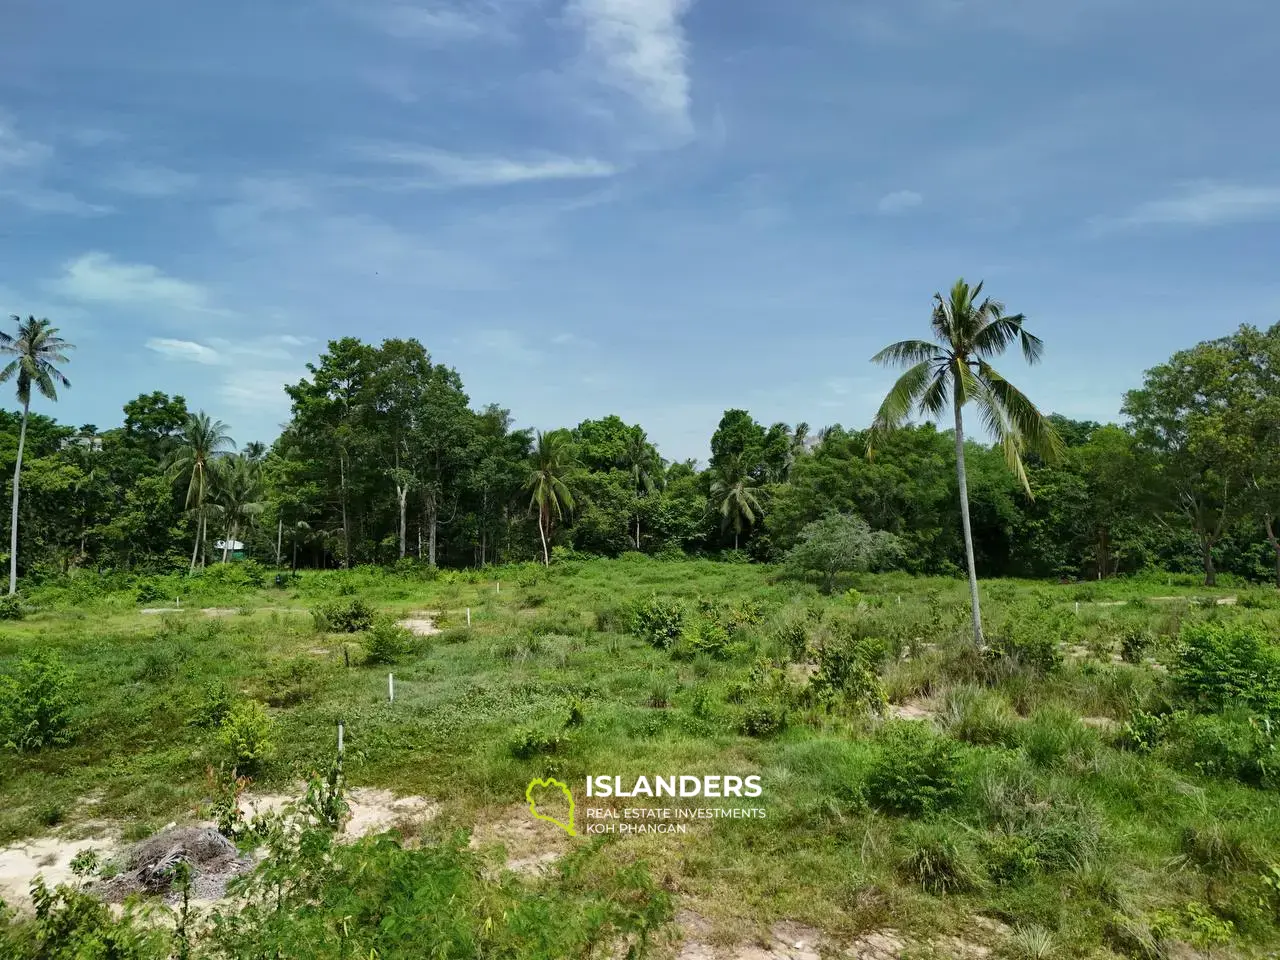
(140, 180)
(900, 201)
(640, 48)
(445, 169)
(40, 199)
(438, 22)
(259, 391)
(98, 277)
(17, 150)
(1205, 204)
(184, 350)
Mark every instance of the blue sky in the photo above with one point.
(656, 208)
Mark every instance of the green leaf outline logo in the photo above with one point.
(533, 804)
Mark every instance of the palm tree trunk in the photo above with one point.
(346, 527)
(968, 529)
(402, 492)
(195, 547)
(279, 538)
(735, 541)
(433, 523)
(637, 531)
(1269, 521)
(542, 531)
(13, 517)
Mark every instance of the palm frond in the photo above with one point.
(1034, 428)
(901, 398)
(908, 352)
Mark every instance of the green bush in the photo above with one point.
(293, 681)
(1033, 641)
(388, 642)
(658, 621)
(347, 614)
(532, 742)
(214, 706)
(981, 717)
(37, 704)
(916, 772)
(846, 674)
(1224, 664)
(246, 734)
(10, 608)
(1135, 641)
(764, 718)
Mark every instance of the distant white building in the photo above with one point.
(235, 546)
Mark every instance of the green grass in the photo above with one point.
(1057, 830)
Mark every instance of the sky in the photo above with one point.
(654, 208)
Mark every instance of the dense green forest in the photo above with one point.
(386, 459)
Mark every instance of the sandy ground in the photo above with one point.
(49, 856)
(421, 623)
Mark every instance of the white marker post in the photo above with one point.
(499, 590)
(391, 688)
(1077, 608)
(468, 616)
(339, 738)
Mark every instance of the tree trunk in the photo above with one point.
(637, 531)
(1270, 522)
(433, 519)
(542, 531)
(227, 539)
(735, 541)
(968, 529)
(346, 527)
(204, 536)
(402, 493)
(195, 547)
(13, 517)
(279, 538)
(1210, 571)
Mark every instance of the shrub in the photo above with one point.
(387, 642)
(532, 742)
(37, 704)
(293, 681)
(1032, 641)
(658, 621)
(214, 705)
(845, 672)
(764, 719)
(916, 772)
(939, 860)
(10, 608)
(710, 638)
(1227, 664)
(347, 614)
(1135, 641)
(246, 735)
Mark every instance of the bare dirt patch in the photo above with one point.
(912, 710)
(786, 940)
(50, 857)
(421, 623)
(530, 845)
(372, 810)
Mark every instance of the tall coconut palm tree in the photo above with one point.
(547, 482)
(642, 462)
(733, 496)
(202, 441)
(35, 351)
(238, 493)
(953, 369)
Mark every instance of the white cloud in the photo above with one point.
(1207, 204)
(641, 49)
(501, 344)
(437, 22)
(39, 199)
(450, 169)
(150, 182)
(259, 392)
(899, 201)
(19, 151)
(184, 350)
(99, 278)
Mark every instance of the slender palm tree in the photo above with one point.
(202, 441)
(733, 496)
(644, 465)
(547, 483)
(35, 351)
(954, 370)
(237, 490)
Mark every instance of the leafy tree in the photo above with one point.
(202, 441)
(643, 465)
(550, 494)
(842, 543)
(734, 497)
(36, 351)
(738, 437)
(1196, 415)
(237, 495)
(969, 332)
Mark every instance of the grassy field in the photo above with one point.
(1092, 804)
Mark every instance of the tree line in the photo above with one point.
(385, 459)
